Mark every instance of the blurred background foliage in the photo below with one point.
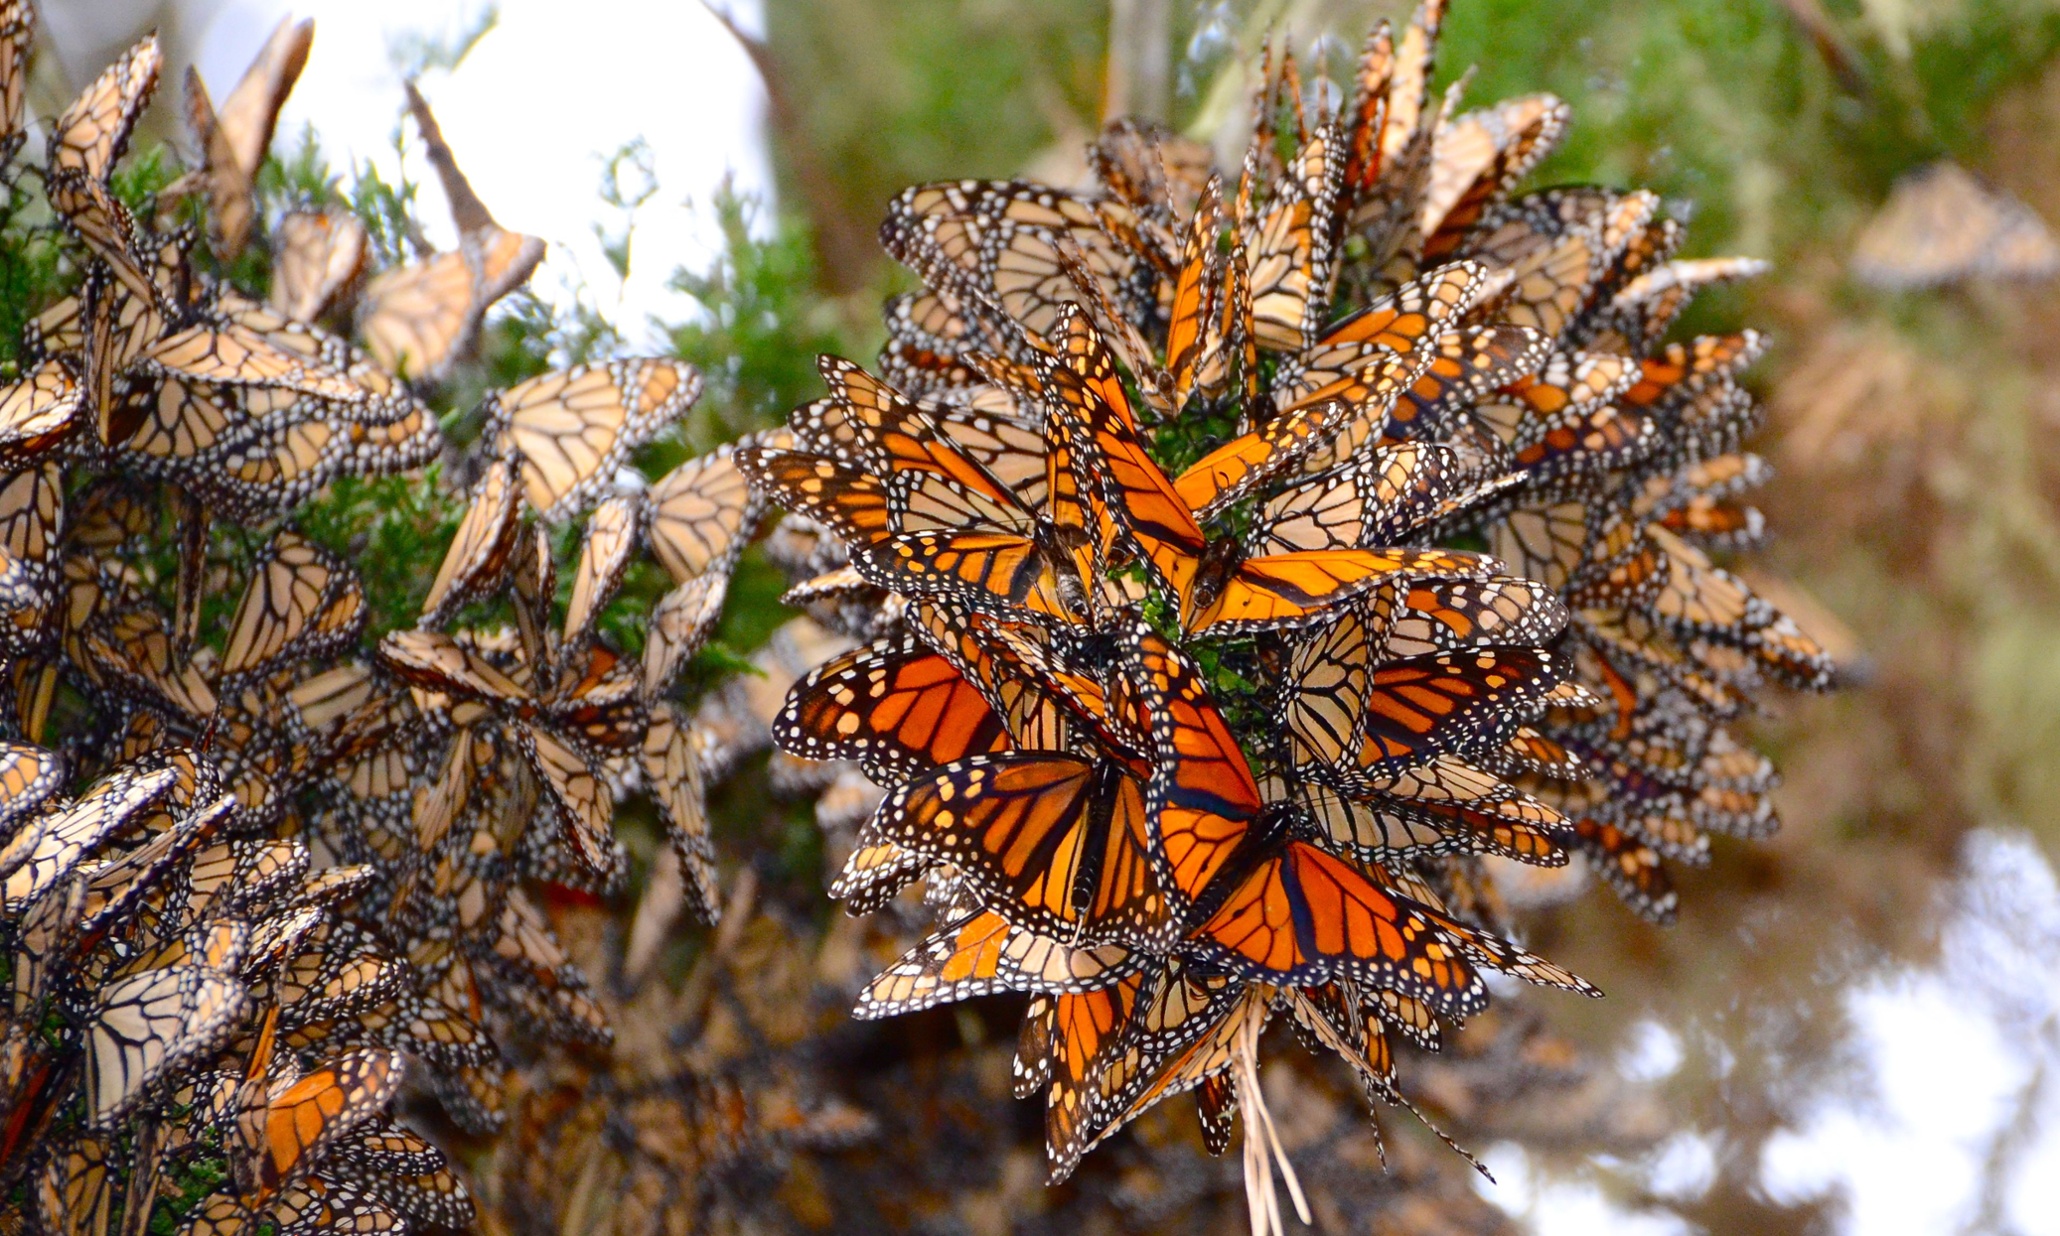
(1918, 499)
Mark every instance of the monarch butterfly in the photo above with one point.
(17, 33)
(417, 319)
(38, 413)
(131, 883)
(1288, 243)
(573, 428)
(1154, 170)
(232, 354)
(582, 797)
(1642, 309)
(28, 775)
(700, 514)
(1696, 501)
(1384, 498)
(92, 214)
(31, 511)
(1060, 842)
(1378, 827)
(317, 257)
(1179, 1032)
(478, 556)
(981, 952)
(292, 1120)
(1216, 587)
(34, 862)
(90, 135)
(1942, 224)
(234, 140)
(679, 625)
(1367, 357)
(896, 707)
(1343, 708)
(1005, 237)
(1631, 867)
(303, 603)
(1478, 157)
(148, 1025)
(228, 184)
(1267, 904)
(674, 770)
(926, 534)
(610, 539)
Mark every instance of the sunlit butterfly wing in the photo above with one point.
(981, 953)
(611, 535)
(39, 413)
(317, 256)
(303, 602)
(574, 428)
(148, 1025)
(699, 514)
(1055, 843)
(1481, 155)
(582, 796)
(90, 135)
(896, 707)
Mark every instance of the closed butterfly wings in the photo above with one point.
(418, 319)
(573, 428)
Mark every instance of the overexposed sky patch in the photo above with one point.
(532, 113)
(1947, 1053)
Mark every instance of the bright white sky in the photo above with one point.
(560, 84)
(533, 112)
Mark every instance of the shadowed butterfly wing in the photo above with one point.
(674, 773)
(150, 1024)
(578, 790)
(479, 554)
(300, 1121)
(17, 35)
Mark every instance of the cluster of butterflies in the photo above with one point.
(1242, 565)
(298, 866)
